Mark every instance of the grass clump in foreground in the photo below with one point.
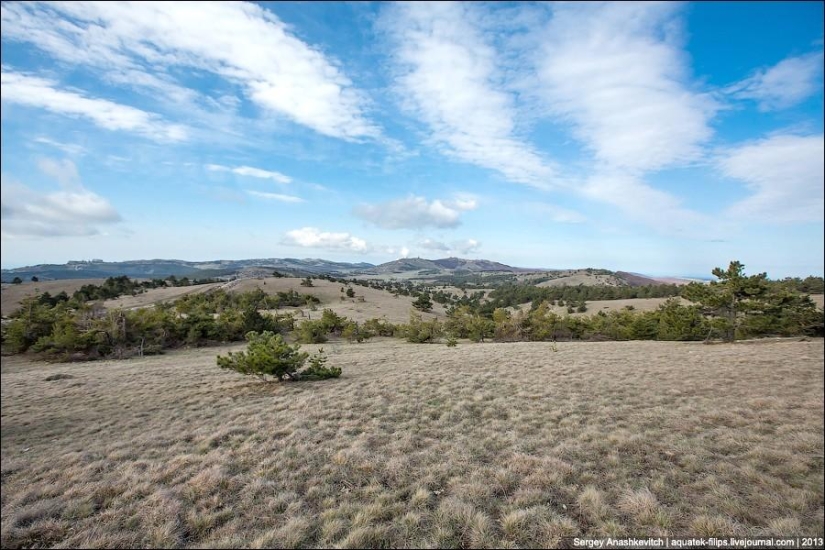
(269, 355)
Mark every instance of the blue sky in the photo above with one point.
(661, 138)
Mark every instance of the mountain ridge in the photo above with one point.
(255, 267)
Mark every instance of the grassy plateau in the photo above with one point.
(481, 445)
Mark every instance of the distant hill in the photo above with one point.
(420, 269)
(138, 269)
(637, 279)
(444, 266)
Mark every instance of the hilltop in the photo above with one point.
(442, 270)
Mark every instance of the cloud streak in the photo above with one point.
(70, 211)
(252, 172)
(275, 196)
(785, 175)
(312, 237)
(447, 76)
(416, 212)
(42, 93)
(787, 83)
(460, 247)
(617, 74)
(240, 42)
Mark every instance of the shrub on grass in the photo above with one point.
(318, 369)
(267, 355)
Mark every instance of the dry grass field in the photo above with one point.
(583, 279)
(156, 295)
(482, 445)
(375, 304)
(638, 304)
(13, 295)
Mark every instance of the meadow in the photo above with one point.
(484, 445)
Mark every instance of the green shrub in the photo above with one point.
(354, 332)
(379, 327)
(423, 303)
(318, 369)
(312, 332)
(419, 331)
(267, 355)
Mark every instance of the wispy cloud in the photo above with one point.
(312, 237)
(786, 175)
(251, 172)
(241, 42)
(69, 148)
(460, 247)
(617, 73)
(274, 196)
(63, 171)
(558, 214)
(787, 83)
(71, 211)
(44, 94)
(430, 244)
(416, 212)
(645, 204)
(447, 76)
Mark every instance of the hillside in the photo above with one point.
(368, 302)
(180, 268)
(443, 271)
(13, 295)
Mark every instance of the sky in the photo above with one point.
(659, 138)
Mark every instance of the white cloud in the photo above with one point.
(72, 211)
(44, 94)
(648, 205)
(787, 83)
(239, 41)
(275, 196)
(466, 247)
(558, 214)
(785, 174)
(312, 237)
(251, 172)
(69, 148)
(64, 171)
(460, 247)
(448, 77)
(416, 212)
(430, 244)
(617, 73)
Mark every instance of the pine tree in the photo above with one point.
(730, 298)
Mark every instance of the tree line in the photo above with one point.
(734, 306)
(72, 329)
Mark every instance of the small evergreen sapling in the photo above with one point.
(269, 355)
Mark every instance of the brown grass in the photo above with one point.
(13, 295)
(485, 445)
(375, 304)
